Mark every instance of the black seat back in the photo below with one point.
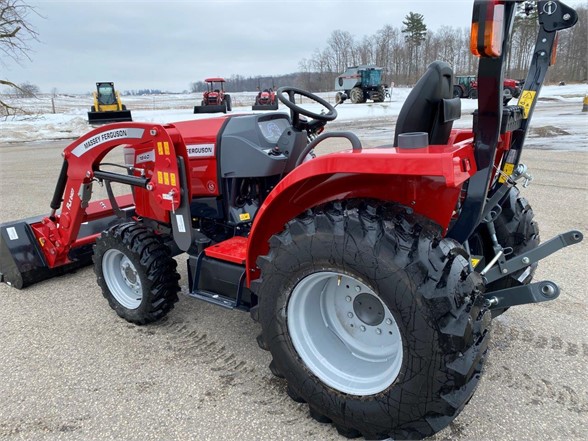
(430, 106)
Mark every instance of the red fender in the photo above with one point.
(429, 180)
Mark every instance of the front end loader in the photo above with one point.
(374, 273)
(107, 107)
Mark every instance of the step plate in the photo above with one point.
(232, 250)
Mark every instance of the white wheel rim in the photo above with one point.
(344, 333)
(122, 279)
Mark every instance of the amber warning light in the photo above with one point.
(487, 28)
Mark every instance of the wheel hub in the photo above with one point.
(129, 272)
(122, 278)
(369, 309)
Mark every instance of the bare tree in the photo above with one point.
(16, 33)
(27, 90)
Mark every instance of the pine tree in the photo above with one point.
(415, 31)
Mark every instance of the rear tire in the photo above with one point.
(517, 232)
(136, 272)
(473, 94)
(378, 97)
(362, 277)
(457, 92)
(357, 96)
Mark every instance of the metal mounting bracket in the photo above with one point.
(535, 255)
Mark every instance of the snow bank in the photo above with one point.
(70, 121)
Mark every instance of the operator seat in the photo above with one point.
(430, 106)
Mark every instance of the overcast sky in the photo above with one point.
(169, 44)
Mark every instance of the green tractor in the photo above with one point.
(361, 83)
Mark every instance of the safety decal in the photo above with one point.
(181, 224)
(200, 150)
(474, 261)
(526, 101)
(12, 234)
(507, 170)
(244, 217)
(110, 135)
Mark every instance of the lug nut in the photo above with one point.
(362, 328)
(350, 314)
(378, 331)
(348, 298)
(358, 288)
(388, 321)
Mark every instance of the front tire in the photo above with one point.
(228, 103)
(373, 319)
(136, 272)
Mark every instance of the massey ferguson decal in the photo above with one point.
(101, 138)
(200, 150)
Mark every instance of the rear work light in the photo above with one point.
(487, 28)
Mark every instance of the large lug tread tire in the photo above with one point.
(425, 282)
(517, 232)
(357, 96)
(155, 268)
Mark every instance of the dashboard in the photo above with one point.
(272, 129)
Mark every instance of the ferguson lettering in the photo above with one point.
(200, 150)
(106, 136)
(110, 135)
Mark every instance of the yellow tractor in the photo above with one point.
(107, 106)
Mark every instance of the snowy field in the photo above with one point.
(558, 121)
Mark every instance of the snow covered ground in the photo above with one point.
(558, 121)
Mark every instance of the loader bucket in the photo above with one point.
(109, 117)
(265, 106)
(211, 109)
(22, 262)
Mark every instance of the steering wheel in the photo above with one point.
(296, 111)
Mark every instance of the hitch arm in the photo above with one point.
(522, 295)
(535, 255)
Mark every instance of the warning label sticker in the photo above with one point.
(526, 101)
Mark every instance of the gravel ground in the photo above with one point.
(72, 370)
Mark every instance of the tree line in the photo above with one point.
(405, 52)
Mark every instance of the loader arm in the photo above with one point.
(68, 232)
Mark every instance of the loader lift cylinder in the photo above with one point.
(59, 188)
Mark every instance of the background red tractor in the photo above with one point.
(466, 86)
(265, 100)
(374, 273)
(214, 99)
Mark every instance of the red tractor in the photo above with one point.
(374, 273)
(466, 86)
(214, 99)
(266, 100)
